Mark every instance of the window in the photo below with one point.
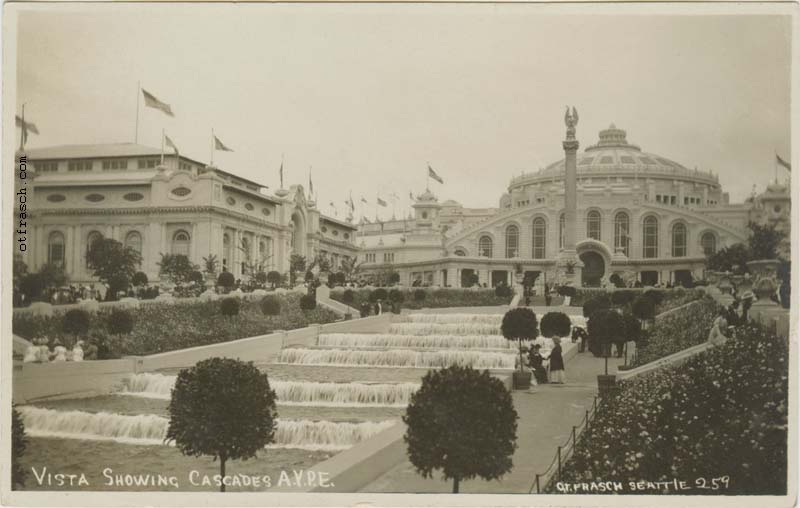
(679, 240)
(388, 257)
(622, 227)
(56, 198)
(485, 247)
(181, 191)
(147, 163)
(133, 240)
(133, 196)
(248, 206)
(650, 237)
(184, 166)
(79, 166)
(709, 243)
(561, 223)
(90, 239)
(46, 167)
(226, 249)
(512, 241)
(593, 225)
(460, 252)
(539, 238)
(115, 164)
(95, 198)
(55, 249)
(181, 242)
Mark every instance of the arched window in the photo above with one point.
(593, 225)
(226, 250)
(539, 238)
(90, 239)
(133, 240)
(55, 249)
(622, 228)
(485, 247)
(181, 241)
(512, 241)
(650, 237)
(709, 243)
(460, 252)
(679, 240)
(561, 223)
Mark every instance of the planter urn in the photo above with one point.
(522, 380)
(765, 280)
(724, 284)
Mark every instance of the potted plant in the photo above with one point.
(763, 245)
(605, 326)
(520, 324)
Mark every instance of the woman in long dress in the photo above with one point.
(716, 336)
(557, 374)
(536, 363)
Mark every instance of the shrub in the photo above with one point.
(32, 285)
(378, 294)
(18, 445)
(643, 308)
(555, 324)
(570, 291)
(677, 331)
(419, 295)
(139, 279)
(347, 296)
(226, 280)
(119, 322)
(229, 307)
(274, 278)
(622, 297)
(261, 278)
(75, 322)
(223, 408)
(520, 324)
(308, 302)
(503, 291)
(655, 295)
(463, 422)
(605, 328)
(594, 304)
(270, 306)
(396, 296)
(176, 268)
(616, 280)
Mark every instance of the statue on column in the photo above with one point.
(571, 120)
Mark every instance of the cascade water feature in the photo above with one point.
(387, 340)
(398, 358)
(151, 429)
(444, 328)
(492, 319)
(294, 393)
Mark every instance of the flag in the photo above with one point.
(382, 202)
(26, 128)
(218, 145)
(363, 200)
(783, 162)
(280, 171)
(310, 184)
(352, 205)
(332, 205)
(169, 143)
(432, 174)
(152, 102)
(411, 195)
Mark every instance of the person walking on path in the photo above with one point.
(557, 374)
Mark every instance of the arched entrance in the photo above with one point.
(298, 234)
(594, 267)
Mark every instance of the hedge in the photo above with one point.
(722, 412)
(161, 327)
(433, 297)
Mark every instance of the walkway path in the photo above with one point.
(546, 417)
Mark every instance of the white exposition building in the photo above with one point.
(637, 214)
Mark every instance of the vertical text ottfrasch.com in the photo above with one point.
(22, 204)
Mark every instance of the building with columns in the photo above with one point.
(636, 213)
(126, 192)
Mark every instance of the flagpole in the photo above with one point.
(212, 146)
(428, 179)
(162, 146)
(136, 134)
(22, 131)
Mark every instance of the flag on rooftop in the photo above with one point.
(218, 145)
(26, 128)
(364, 200)
(151, 101)
(783, 162)
(432, 174)
(170, 143)
(382, 202)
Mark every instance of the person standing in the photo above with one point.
(378, 307)
(536, 364)
(548, 297)
(557, 374)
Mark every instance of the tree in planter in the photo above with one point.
(397, 298)
(594, 304)
(297, 264)
(632, 331)
(113, 263)
(226, 280)
(555, 324)
(18, 445)
(605, 327)
(520, 324)
(261, 278)
(463, 422)
(76, 323)
(274, 278)
(224, 408)
(139, 279)
(176, 268)
(210, 264)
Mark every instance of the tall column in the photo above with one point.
(568, 261)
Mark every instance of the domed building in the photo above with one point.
(640, 215)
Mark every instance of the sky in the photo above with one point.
(366, 96)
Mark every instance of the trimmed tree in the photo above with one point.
(396, 297)
(555, 324)
(18, 445)
(113, 263)
(297, 264)
(605, 327)
(270, 306)
(120, 322)
(229, 307)
(76, 323)
(223, 408)
(226, 280)
(520, 324)
(463, 422)
(378, 294)
(139, 279)
(644, 308)
(274, 278)
(632, 331)
(594, 304)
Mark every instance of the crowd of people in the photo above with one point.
(39, 352)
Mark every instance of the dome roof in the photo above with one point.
(614, 154)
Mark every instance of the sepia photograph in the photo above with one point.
(410, 254)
